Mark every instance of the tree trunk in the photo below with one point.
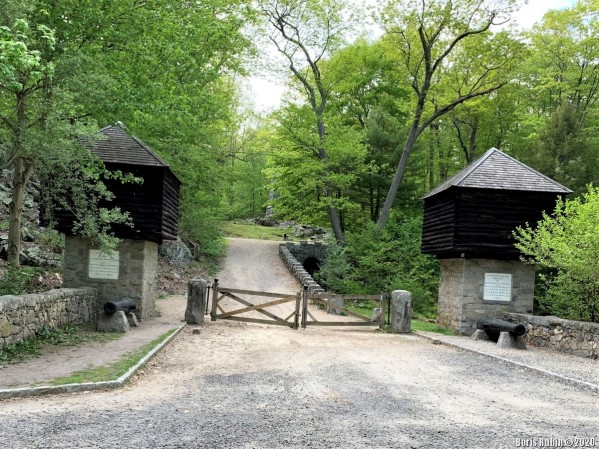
(21, 172)
(324, 155)
(399, 172)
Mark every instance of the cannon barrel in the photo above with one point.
(125, 304)
(494, 326)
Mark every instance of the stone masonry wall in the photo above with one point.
(297, 269)
(449, 308)
(25, 315)
(572, 337)
(461, 291)
(138, 260)
(305, 250)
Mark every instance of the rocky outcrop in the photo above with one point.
(176, 252)
(33, 252)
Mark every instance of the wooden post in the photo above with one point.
(383, 311)
(208, 288)
(298, 299)
(196, 298)
(214, 300)
(304, 306)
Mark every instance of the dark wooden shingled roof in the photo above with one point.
(496, 170)
(122, 148)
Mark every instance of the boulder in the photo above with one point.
(176, 252)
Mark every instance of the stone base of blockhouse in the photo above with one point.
(135, 274)
(461, 291)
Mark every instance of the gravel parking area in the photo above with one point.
(254, 386)
(249, 386)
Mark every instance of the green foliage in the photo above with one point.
(301, 176)
(567, 242)
(50, 239)
(563, 151)
(372, 262)
(18, 280)
(81, 192)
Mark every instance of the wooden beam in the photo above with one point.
(346, 297)
(252, 292)
(257, 321)
(264, 312)
(258, 306)
(335, 306)
(342, 323)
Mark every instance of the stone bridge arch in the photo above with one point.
(311, 255)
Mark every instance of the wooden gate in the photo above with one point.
(218, 313)
(300, 302)
(331, 301)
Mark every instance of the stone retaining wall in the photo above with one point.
(298, 270)
(572, 337)
(24, 315)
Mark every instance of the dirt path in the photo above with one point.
(253, 386)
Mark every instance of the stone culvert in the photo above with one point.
(297, 269)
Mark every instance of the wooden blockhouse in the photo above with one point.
(474, 213)
(152, 205)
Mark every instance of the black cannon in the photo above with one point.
(125, 304)
(493, 327)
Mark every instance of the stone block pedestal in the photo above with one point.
(117, 322)
(196, 301)
(401, 311)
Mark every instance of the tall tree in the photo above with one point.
(34, 125)
(368, 94)
(430, 36)
(562, 108)
(304, 32)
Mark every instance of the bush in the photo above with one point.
(18, 280)
(565, 246)
(372, 262)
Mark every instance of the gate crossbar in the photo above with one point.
(257, 307)
(323, 299)
(221, 292)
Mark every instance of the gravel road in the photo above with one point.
(254, 386)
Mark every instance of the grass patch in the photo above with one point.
(253, 231)
(361, 307)
(69, 335)
(113, 371)
(418, 325)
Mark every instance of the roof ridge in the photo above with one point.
(522, 164)
(467, 171)
(147, 148)
(470, 176)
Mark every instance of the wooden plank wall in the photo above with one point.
(438, 224)
(480, 222)
(152, 205)
(170, 205)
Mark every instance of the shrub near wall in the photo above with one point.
(572, 337)
(23, 316)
